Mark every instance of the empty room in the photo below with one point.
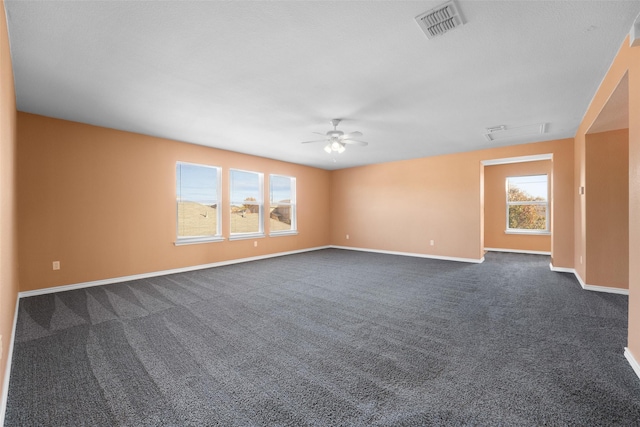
(291, 213)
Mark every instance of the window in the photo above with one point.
(247, 202)
(198, 201)
(282, 209)
(527, 204)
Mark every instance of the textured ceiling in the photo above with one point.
(260, 77)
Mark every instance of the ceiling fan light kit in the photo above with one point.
(337, 140)
(334, 146)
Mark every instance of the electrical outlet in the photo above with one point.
(580, 259)
(255, 244)
(347, 237)
(1, 347)
(56, 265)
(432, 242)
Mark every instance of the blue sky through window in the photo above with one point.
(244, 185)
(280, 188)
(199, 183)
(196, 183)
(534, 185)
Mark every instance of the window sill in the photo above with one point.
(247, 236)
(529, 232)
(283, 233)
(197, 240)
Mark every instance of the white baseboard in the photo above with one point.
(7, 371)
(562, 269)
(586, 286)
(159, 273)
(121, 279)
(583, 285)
(412, 254)
(607, 289)
(517, 251)
(632, 361)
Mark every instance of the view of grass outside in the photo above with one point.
(246, 195)
(527, 203)
(245, 218)
(196, 219)
(279, 225)
(197, 201)
(243, 221)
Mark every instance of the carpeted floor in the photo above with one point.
(324, 338)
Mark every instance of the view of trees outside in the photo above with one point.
(527, 202)
(251, 205)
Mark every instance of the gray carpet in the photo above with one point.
(324, 338)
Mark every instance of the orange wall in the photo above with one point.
(495, 207)
(102, 202)
(626, 61)
(8, 238)
(634, 200)
(613, 77)
(607, 208)
(401, 206)
(579, 206)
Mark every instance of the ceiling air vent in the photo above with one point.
(439, 20)
(495, 133)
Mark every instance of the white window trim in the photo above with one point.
(528, 231)
(520, 159)
(197, 240)
(525, 231)
(246, 236)
(191, 240)
(260, 202)
(293, 204)
(283, 233)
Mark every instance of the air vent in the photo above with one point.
(496, 128)
(507, 132)
(439, 20)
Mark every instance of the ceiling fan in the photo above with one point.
(337, 140)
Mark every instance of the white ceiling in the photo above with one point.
(260, 77)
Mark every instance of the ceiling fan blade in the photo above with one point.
(319, 133)
(353, 141)
(351, 135)
(317, 140)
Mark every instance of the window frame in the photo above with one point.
(259, 202)
(209, 238)
(545, 203)
(292, 206)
